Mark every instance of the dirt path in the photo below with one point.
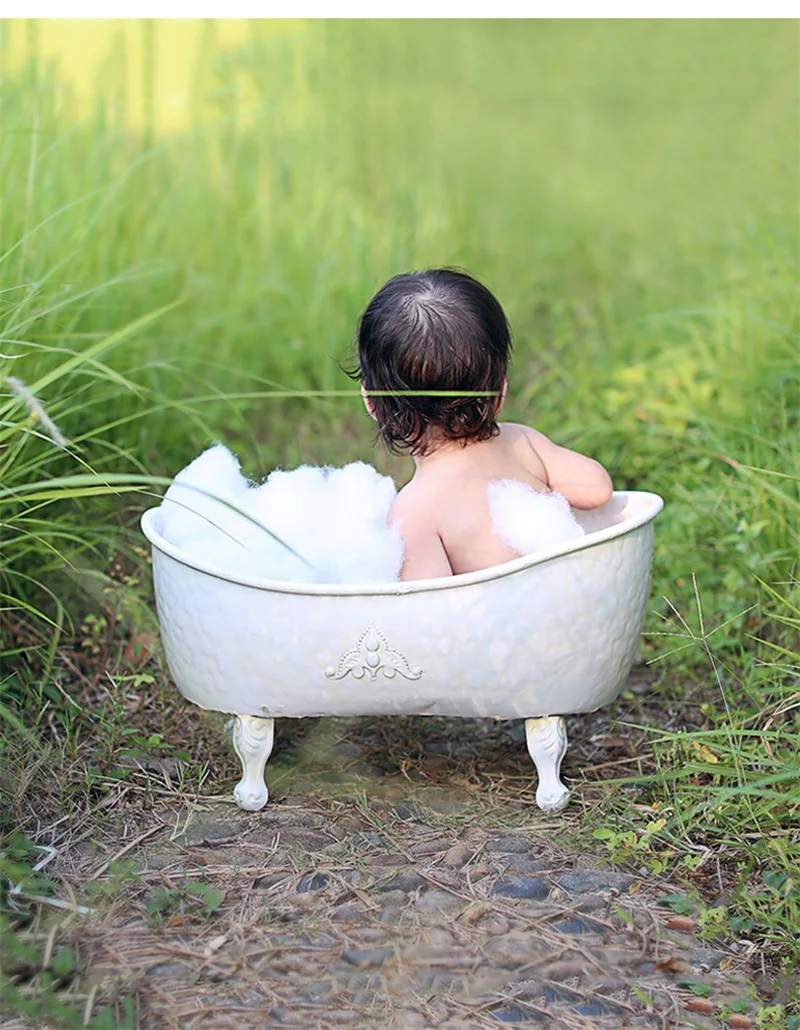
(439, 898)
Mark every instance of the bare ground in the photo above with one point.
(401, 876)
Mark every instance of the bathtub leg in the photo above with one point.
(547, 745)
(252, 739)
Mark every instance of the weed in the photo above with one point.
(173, 904)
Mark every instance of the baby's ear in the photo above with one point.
(367, 402)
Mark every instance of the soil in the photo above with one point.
(401, 876)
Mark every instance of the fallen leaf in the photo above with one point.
(699, 1005)
(475, 912)
(214, 945)
(672, 965)
(704, 753)
(176, 920)
(680, 923)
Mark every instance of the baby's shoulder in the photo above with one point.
(416, 514)
(526, 444)
(414, 500)
(516, 431)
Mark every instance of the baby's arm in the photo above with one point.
(425, 556)
(583, 481)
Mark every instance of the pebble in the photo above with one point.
(210, 830)
(427, 847)
(155, 862)
(457, 856)
(515, 729)
(264, 883)
(588, 902)
(555, 993)
(415, 1021)
(168, 969)
(576, 925)
(366, 959)
(390, 915)
(588, 880)
(599, 1008)
(436, 979)
(517, 1014)
(367, 839)
(433, 901)
(392, 897)
(569, 926)
(356, 982)
(437, 747)
(314, 990)
(522, 864)
(350, 912)
(386, 860)
(369, 933)
(509, 845)
(495, 925)
(521, 887)
(312, 882)
(706, 958)
(408, 811)
(407, 881)
(449, 807)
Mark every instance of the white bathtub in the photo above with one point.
(536, 638)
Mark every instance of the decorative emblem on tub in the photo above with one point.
(370, 656)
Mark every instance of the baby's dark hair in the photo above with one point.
(434, 330)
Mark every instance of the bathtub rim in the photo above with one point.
(651, 508)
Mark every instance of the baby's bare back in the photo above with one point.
(444, 513)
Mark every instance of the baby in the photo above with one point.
(441, 330)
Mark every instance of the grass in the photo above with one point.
(629, 190)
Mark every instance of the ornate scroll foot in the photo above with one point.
(252, 739)
(547, 745)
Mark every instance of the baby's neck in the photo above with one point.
(448, 453)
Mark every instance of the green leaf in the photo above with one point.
(774, 881)
(677, 902)
(212, 898)
(697, 987)
(63, 963)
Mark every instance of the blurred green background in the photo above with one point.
(627, 188)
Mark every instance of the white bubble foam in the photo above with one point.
(333, 521)
(527, 520)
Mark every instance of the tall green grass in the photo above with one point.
(628, 189)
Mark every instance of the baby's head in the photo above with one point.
(434, 330)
